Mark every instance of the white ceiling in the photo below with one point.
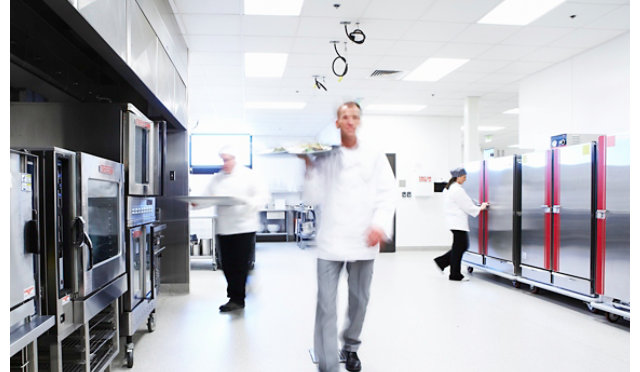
(401, 34)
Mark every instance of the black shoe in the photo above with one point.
(435, 261)
(353, 363)
(459, 278)
(230, 306)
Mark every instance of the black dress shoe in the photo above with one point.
(230, 306)
(353, 363)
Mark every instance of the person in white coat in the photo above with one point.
(356, 193)
(458, 206)
(236, 225)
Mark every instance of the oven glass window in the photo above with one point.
(103, 219)
(142, 155)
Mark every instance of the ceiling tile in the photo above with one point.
(307, 60)
(456, 50)
(463, 77)
(586, 38)
(398, 62)
(500, 78)
(209, 24)
(487, 34)
(347, 10)
(459, 10)
(258, 44)
(584, 14)
(414, 48)
(523, 67)
(478, 65)
(209, 43)
(536, 36)
(327, 28)
(209, 7)
(398, 9)
(306, 45)
(617, 19)
(434, 31)
(550, 54)
(507, 52)
(379, 29)
(257, 25)
(214, 59)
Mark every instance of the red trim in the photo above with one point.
(556, 216)
(547, 216)
(601, 203)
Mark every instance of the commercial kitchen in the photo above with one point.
(118, 112)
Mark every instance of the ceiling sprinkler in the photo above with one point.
(336, 5)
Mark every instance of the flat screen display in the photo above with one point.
(204, 151)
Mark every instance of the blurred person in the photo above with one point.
(458, 205)
(354, 188)
(236, 225)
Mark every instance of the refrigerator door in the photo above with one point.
(617, 270)
(472, 187)
(535, 209)
(573, 193)
(499, 193)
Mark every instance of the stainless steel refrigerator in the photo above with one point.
(558, 217)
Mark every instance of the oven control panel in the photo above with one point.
(140, 210)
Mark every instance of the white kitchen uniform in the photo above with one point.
(458, 205)
(244, 184)
(355, 189)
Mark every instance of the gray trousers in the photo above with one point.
(326, 328)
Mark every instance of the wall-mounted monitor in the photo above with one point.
(204, 149)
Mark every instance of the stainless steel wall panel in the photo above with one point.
(472, 187)
(575, 182)
(165, 81)
(499, 193)
(109, 19)
(143, 47)
(617, 264)
(533, 186)
(180, 99)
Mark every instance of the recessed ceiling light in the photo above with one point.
(518, 12)
(264, 64)
(396, 108)
(489, 128)
(273, 7)
(513, 111)
(434, 69)
(275, 105)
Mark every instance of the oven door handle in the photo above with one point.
(81, 237)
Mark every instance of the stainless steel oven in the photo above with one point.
(142, 152)
(82, 234)
(27, 323)
(139, 302)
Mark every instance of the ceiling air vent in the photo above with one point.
(385, 74)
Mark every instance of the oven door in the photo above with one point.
(142, 153)
(101, 208)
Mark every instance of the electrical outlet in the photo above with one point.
(404, 194)
(408, 194)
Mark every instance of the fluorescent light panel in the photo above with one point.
(434, 69)
(489, 128)
(275, 105)
(273, 7)
(391, 107)
(519, 12)
(265, 64)
(513, 111)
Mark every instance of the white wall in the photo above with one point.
(424, 146)
(588, 93)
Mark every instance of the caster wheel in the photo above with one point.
(534, 290)
(151, 323)
(128, 356)
(613, 317)
(591, 309)
(516, 284)
(469, 269)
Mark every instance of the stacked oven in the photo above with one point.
(121, 133)
(26, 321)
(81, 229)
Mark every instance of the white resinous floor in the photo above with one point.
(417, 320)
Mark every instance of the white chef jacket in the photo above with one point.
(354, 190)
(457, 206)
(244, 184)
